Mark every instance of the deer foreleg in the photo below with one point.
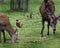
(42, 28)
(4, 36)
(0, 33)
(54, 31)
(0, 37)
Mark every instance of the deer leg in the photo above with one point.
(54, 31)
(0, 37)
(4, 36)
(42, 28)
(0, 33)
(48, 29)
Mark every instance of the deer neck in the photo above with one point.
(11, 31)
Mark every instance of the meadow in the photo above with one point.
(29, 35)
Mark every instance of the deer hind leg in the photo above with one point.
(48, 28)
(42, 28)
(4, 36)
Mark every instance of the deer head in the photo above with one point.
(53, 21)
(14, 36)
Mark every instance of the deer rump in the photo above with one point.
(5, 25)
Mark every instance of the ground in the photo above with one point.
(29, 35)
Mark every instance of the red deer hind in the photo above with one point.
(47, 10)
(5, 25)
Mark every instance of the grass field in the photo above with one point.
(29, 34)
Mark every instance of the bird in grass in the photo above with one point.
(19, 24)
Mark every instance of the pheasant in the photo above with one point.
(19, 24)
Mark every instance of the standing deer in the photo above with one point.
(5, 25)
(47, 10)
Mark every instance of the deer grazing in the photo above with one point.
(5, 25)
(47, 10)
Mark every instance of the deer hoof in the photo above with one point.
(48, 34)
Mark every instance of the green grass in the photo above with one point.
(29, 34)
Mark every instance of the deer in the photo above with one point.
(5, 25)
(47, 10)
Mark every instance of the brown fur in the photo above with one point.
(45, 15)
(42, 8)
(5, 25)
